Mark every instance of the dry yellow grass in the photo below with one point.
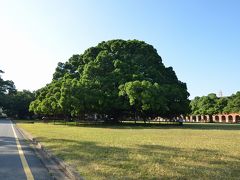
(194, 151)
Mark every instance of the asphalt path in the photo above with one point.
(17, 160)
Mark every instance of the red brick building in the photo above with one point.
(222, 118)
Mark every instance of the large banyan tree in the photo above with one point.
(114, 79)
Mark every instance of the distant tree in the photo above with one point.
(18, 103)
(221, 104)
(211, 104)
(194, 106)
(6, 88)
(233, 105)
(14, 103)
(204, 105)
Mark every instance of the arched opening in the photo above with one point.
(237, 119)
(205, 118)
(230, 118)
(223, 119)
(217, 118)
(199, 118)
(194, 118)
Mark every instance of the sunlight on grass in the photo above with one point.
(127, 152)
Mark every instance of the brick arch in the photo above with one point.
(187, 118)
(199, 118)
(230, 118)
(217, 118)
(223, 118)
(205, 118)
(194, 118)
(237, 119)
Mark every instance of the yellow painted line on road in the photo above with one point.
(26, 168)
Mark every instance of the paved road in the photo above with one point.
(12, 164)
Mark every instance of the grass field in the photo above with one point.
(193, 151)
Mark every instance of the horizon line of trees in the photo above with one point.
(12, 102)
(211, 104)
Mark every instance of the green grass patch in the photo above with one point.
(129, 151)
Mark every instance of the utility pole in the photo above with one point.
(220, 94)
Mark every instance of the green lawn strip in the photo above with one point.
(206, 151)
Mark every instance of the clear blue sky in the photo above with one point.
(200, 39)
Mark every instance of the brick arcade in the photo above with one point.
(221, 118)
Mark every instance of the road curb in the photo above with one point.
(57, 167)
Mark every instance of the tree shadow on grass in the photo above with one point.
(191, 126)
(211, 126)
(97, 161)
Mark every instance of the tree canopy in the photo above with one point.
(233, 104)
(211, 104)
(114, 78)
(14, 103)
(17, 104)
(6, 88)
